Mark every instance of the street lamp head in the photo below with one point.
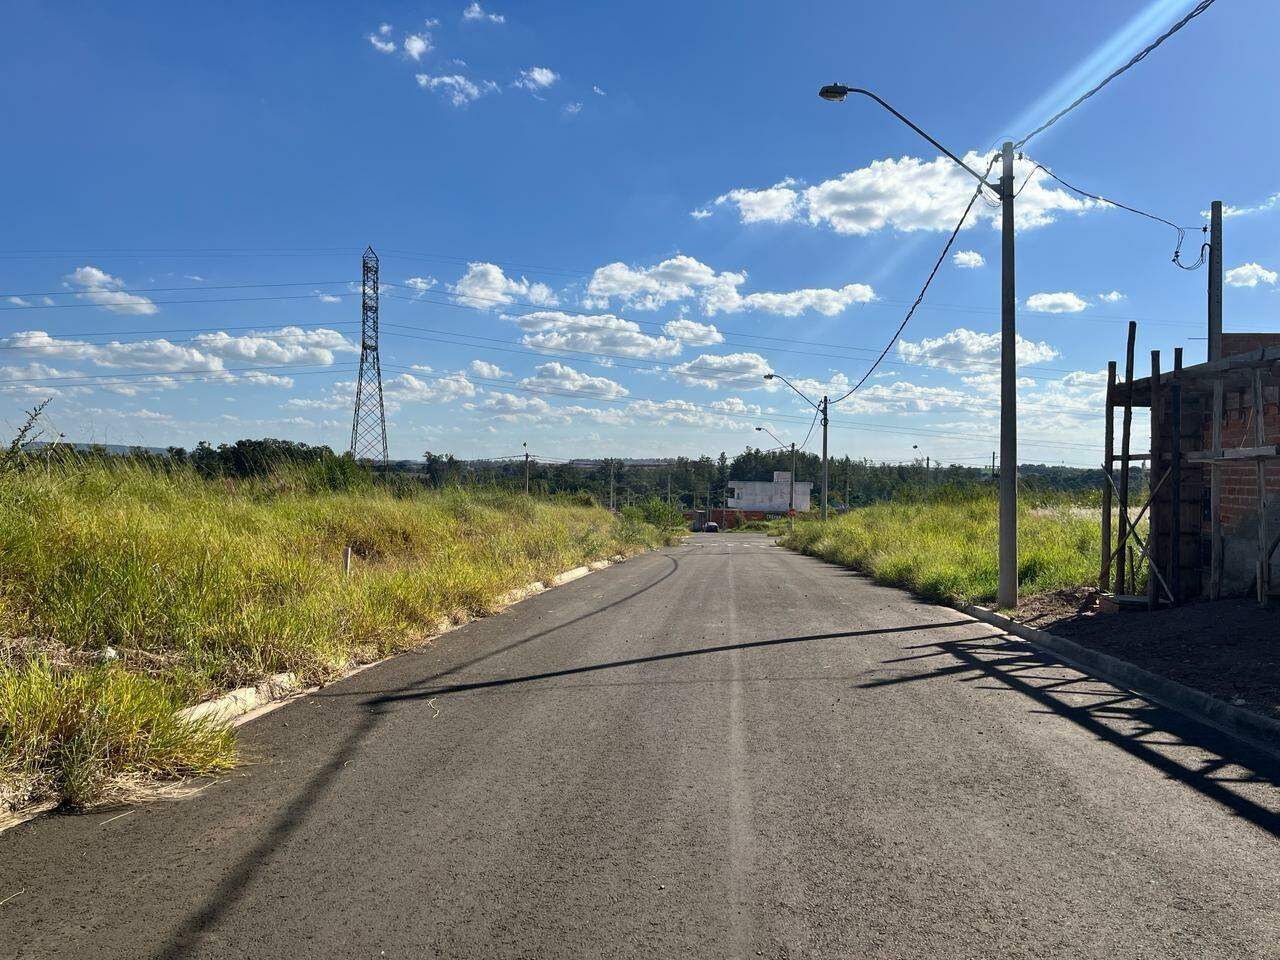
(768, 376)
(759, 428)
(835, 92)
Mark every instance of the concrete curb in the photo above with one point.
(1258, 731)
(243, 704)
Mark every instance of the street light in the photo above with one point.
(821, 407)
(1007, 592)
(791, 486)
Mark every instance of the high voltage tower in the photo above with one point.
(369, 423)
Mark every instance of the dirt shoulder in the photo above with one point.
(1229, 649)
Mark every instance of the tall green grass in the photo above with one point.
(945, 547)
(202, 585)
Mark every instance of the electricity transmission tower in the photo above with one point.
(369, 423)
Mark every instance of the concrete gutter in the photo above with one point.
(243, 704)
(1255, 729)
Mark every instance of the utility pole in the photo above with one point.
(825, 405)
(1007, 591)
(1215, 280)
(791, 491)
(525, 444)
(926, 474)
(612, 464)
(369, 421)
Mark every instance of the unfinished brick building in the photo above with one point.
(1213, 475)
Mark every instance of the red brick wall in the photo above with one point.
(1239, 481)
(1233, 343)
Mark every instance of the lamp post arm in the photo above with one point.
(779, 376)
(972, 172)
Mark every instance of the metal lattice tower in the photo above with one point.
(369, 423)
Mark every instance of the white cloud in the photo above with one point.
(326, 297)
(475, 12)
(559, 377)
(1063, 302)
(965, 350)
(485, 285)
(968, 259)
(456, 88)
(572, 109)
(682, 277)
(101, 288)
(1115, 296)
(381, 43)
(597, 91)
(417, 44)
(904, 194)
(690, 331)
(1264, 207)
(431, 23)
(536, 78)
(19, 302)
(384, 29)
(488, 371)
(206, 352)
(904, 396)
(714, 371)
(1250, 275)
(599, 333)
(408, 388)
(420, 285)
(700, 213)
(776, 204)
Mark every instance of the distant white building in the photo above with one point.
(769, 496)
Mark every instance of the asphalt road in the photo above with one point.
(717, 750)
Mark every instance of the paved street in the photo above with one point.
(721, 749)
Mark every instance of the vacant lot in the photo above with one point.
(127, 592)
(945, 547)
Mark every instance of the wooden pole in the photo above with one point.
(1175, 483)
(1108, 479)
(1259, 438)
(1153, 531)
(1125, 430)
(1215, 496)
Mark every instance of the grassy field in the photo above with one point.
(945, 547)
(127, 592)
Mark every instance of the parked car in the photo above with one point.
(710, 527)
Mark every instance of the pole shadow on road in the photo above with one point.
(1163, 738)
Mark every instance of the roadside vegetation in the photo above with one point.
(944, 546)
(131, 588)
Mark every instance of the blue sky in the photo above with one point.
(599, 226)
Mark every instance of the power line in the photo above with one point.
(522, 387)
(228, 286)
(923, 290)
(1182, 231)
(161, 303)
(1137, 58)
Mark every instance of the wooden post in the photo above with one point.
(1124, 455)
(1175, 480)
(1259, 438)
(1108, 472)
(1153, 530)
(1215, 496)
(346, 561)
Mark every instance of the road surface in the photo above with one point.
(720, 750)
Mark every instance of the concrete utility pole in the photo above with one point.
(1215, 280)
(526, 467)
(1007, 589)
(825, 404)
(791, 491)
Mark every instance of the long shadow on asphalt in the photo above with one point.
(422, 692)
(187, 936)
(1145, 730)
